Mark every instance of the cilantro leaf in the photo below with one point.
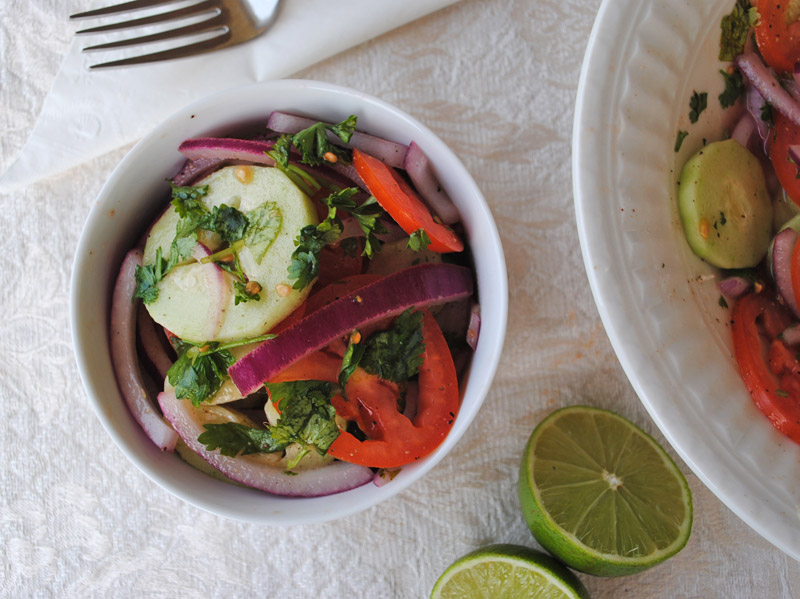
(198, 375)
(265, 224)
(735, 27)
(418, 240)
(352, 358)
(187, 201)
(232, 439)
(241, 294)
(280, 151)
(766, 114)
(697, 104)
(734, 88)
(679, 140)
(396, 354)
(313, 143)
(309, 243)
(147, 278)
(228, 222)
(307, 415)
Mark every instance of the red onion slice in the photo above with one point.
(149, 335)
(768, 86)
(418, 286)
(225, 148)
(333, 478)
(420, 171)
(755, 103)
(782, 247)
(125, 360)
(390, 152)
(734, 287)
(194, 170)
(474, 329)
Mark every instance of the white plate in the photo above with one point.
(658, 302)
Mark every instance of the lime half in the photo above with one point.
(602, 495)
(507, 572)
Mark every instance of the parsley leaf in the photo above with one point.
(734, 88)
(232, 439)
(198, 375)
(697, 104)
(396, 354)
(418, 240)
(735, 27)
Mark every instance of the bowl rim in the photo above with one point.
(606, 73)
(490, 342)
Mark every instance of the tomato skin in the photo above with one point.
(784, 135)
(777, 40)
(777, 395)
(403, 204)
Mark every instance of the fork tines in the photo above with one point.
(221, 23)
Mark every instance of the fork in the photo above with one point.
(227, 22)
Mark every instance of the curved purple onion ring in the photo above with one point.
(327, 480)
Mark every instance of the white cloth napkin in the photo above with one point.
(89, 113)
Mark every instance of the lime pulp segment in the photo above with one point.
(601, 494)
(507, 572)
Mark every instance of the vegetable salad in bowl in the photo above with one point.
(300, 317)
(738, 202)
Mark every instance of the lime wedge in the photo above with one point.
(507, 572)
(602, 495)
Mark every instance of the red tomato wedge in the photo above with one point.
(770, 375)
(778, 34)
(403, 204)
(392, 439)
(784, 135)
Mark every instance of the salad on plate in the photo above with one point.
(300, 315)
(739, 198)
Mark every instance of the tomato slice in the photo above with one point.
(771, 377)
(778, 34)
(785, 134)
(393, 440)
(403, 204)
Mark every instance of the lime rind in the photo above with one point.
(505, 571)
(591, 544)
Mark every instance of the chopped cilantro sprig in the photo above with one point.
(304, 266)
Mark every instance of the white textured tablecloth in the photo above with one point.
(496, 79)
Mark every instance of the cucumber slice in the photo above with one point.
(724, 206)
(200, 305)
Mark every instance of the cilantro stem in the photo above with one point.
(228, 251)
(237, 343)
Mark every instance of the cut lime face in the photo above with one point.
(507, 572)
(602, 495)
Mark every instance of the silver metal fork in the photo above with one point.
(222, 23)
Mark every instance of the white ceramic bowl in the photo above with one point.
(133, 195)
(659, 303)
